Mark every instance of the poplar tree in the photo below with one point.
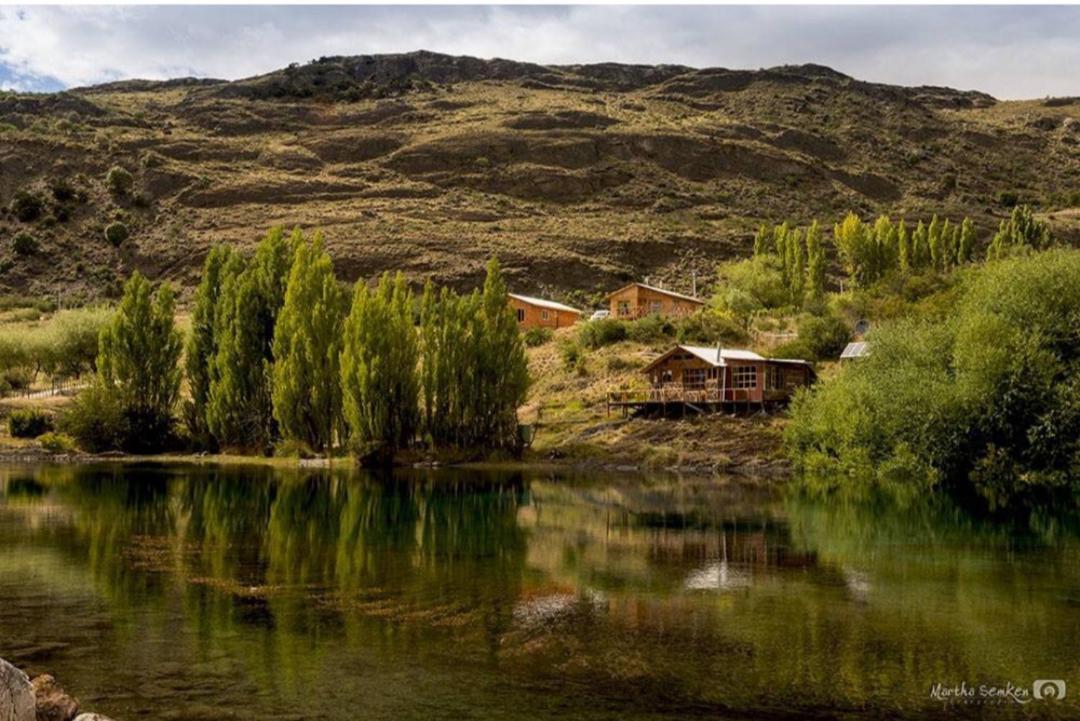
(966, 249)
(203, 341)
(934, 242)
(306, 390)
(1021, 230)
(240, 409)
(920, 253)
(903, 248)
(816, 261)
(851, 239)
(503, 373)
(761, 241)
(379, 371)
(139, 361)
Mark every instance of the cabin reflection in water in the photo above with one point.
(704, 379)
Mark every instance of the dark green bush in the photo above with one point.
(987, 399)
(602, 332)
(62, 190)
(534, 337)
(29, 423)
(820, 338)
(96, 420)
(27, 206)
(119, 180)
(116, 233)
(25, 244)
(710, 328)
(650, 329)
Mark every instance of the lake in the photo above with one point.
(185, 592)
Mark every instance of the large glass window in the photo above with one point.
(694, 377)
(744, 377)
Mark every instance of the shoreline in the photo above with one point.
(754, 467)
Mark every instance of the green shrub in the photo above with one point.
(61, 190)
(116, 233)
(820, 338)
(25, 244)
(601, 332)
(750, 285)
(27, 206)
(57, 442)
(987, 399)
(709, 327)
(96, 420)
(29, 423)
(119, 181)
(534, 337)
(573, 357)
(650, 329)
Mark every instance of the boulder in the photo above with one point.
(53, 704)
(16, 694)
(92, 717)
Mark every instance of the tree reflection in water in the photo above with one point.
(253, 591)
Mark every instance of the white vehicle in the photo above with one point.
(600, 314)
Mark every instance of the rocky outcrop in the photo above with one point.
(16, 694)
(52, 702)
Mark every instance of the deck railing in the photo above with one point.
(680, 393)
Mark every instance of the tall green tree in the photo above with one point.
(240, 408)
(203, 341)
(1021, 231)
(816, 261)
(379, 365)
(966, 250)
(139, 361)
(503, 373)
(761, 240)
(903, 248)
(306, 374)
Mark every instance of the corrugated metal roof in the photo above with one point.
(855, 350)
(541, 303)
(658, 290)
(711, 354)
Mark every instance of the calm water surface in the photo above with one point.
(186, 593)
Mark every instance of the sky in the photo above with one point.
(1008, 51)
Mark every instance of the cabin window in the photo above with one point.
(712, 373)
(654, 306)
(544, 314)
(744, 377)
(774, 378)
(624, 307)
(521, 315)
(694, 377)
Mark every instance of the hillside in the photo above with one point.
(578, 177)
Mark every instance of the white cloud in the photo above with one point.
(1007, 51)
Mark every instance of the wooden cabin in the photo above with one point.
(540, 313)
(638, 300)
(711, 378)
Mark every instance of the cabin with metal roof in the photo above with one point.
(638, 300)
(704, 378)
(541, 313)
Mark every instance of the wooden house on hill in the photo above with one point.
(637, 300)
(540, 313)
(711, 378)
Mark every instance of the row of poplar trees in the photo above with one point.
(280, 351)
(867, 252)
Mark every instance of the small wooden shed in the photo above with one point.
(540, 313)
(637, 300)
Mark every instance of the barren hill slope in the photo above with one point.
(578, 177)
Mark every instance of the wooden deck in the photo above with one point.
(675, 398)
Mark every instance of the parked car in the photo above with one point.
(600, 315)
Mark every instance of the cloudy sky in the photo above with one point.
(1010, 52)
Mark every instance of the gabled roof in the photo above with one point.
(541, 303)
(712, 355)
(855, 350)
(673, 294)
